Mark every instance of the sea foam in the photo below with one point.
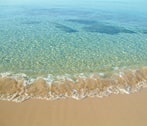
(20, 87)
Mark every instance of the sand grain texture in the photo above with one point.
(116, 110)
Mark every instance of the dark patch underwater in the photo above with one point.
(85, 22)
(65, 28)
(145, 32)
(107, 29)
(58, 12)
(100, 27)
(31, 22)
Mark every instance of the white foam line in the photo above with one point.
(21, 96)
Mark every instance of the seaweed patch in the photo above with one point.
(65, 28)
(31, 22)
(107, 29)
(86, 22)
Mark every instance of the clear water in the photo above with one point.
(49, 40)
(60, 39)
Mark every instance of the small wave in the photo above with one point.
(20, 87)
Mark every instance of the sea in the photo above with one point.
(72, 49)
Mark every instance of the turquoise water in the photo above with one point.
(59, 40)
(71, 49)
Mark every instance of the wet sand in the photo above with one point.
(18, 90)
(115, 110)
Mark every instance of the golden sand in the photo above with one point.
(116, 110)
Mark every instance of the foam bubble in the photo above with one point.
(20, 87)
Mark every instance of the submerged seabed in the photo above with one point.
(19, 87)
(71, 52)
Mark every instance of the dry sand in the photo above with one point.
(116, 110)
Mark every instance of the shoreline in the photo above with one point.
(113, 111)
(18, 90)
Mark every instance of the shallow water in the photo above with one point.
(60, 42)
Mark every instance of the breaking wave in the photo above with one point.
(20, 87)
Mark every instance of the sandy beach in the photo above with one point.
(115, 110)
(73, 63)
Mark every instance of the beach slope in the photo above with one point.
(116, 110)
